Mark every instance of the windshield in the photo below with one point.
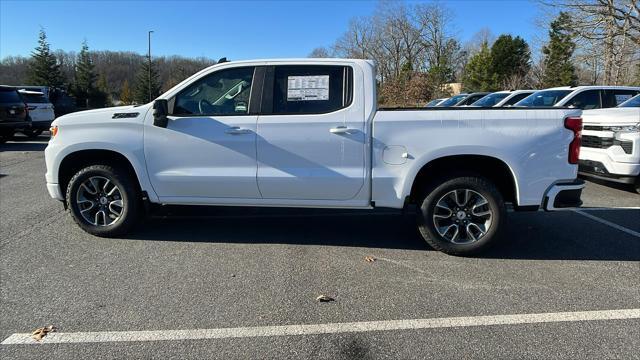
(633, 102)
(433, 102)
(490, 100)
(452, 100)
(543, 98)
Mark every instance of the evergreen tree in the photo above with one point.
(44, 69)
(510, 57)
(558, 67)
(99, 97)
(478, 74)
(125, 93)
(83, 87)
(141, 95)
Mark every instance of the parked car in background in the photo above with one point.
(471, 98)
(452, 100)
(40, 111)
(311, 135)
(492, 99)
(435, 102)
(14, 115)
(611, 143)
(581, 97)
(61, 101)
(514, 97)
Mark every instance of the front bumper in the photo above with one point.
(564, 195)
(54, 191)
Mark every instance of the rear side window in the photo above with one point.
(589, 99)
(311, 89)
(10, 96)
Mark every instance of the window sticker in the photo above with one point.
(308, 88)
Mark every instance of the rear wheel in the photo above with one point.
(103, 200)
(461, 215)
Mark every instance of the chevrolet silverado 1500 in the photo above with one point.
(309, 133)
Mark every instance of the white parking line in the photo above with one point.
(609, 223)
(330, 328)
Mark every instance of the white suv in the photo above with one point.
(611, 143)
(40, 111)
(582, 97)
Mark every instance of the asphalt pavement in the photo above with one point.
(242, 282)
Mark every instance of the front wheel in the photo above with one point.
(462, 215)
(103, 200)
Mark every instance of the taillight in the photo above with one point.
(574, 124)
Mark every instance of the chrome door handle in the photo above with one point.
(236, 130)
(340, 130)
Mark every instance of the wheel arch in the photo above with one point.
(494, 169)
(79, 159)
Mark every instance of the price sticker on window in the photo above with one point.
(308, 88)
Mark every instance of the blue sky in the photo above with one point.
(235, 29)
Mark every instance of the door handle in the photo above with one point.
(340, 130)
(236, 130)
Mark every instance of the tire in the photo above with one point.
(483, 210)
(5, 136)
(94, 206)
(32, 133)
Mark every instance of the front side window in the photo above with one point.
(585, 100)
(311, 89)
(224, 92)
(543, 98)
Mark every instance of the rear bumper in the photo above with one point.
(564, 195)
(44, 124)
(15, 124)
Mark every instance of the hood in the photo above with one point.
(612, 116)
(118, 113)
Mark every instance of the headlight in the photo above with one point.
(627, 128)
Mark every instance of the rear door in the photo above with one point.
(311, 135)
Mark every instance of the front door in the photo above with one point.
(208, 149)
(311, 135)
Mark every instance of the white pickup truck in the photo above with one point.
(308, 133)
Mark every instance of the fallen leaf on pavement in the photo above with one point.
(39, 333)
(369, 259)
(324, 298)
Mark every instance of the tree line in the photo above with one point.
(99, 78)
(418, 56)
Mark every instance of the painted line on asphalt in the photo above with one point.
(610, 208)
(609, 223)
(329, 328)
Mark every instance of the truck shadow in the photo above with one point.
(529, 236)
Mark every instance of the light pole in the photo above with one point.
(149, 54)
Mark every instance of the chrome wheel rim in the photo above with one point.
(462, 216)
(99, 201)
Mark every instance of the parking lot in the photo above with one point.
(258, 272)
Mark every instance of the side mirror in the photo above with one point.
(160, 112)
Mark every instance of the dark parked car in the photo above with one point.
(471, 98)
(14, 114)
